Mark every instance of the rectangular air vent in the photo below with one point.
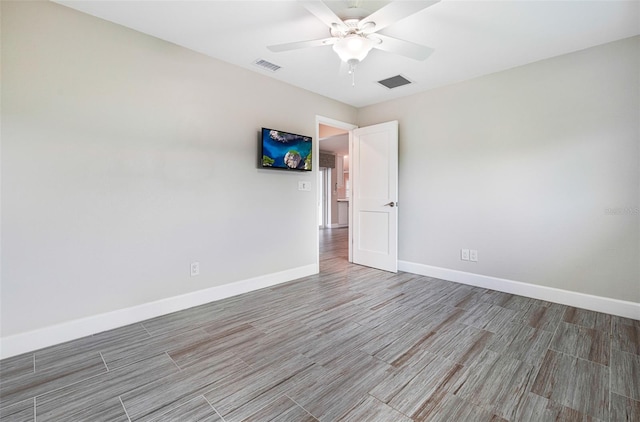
(394, 82)
(266, 65)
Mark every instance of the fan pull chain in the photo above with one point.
(352, 72)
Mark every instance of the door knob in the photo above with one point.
(391, 204)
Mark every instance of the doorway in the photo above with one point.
(373, 196)
(332, 150)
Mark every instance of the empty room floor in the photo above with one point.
(350, 344)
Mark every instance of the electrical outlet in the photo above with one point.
(464, 254)
(473, 255)
(195, 269)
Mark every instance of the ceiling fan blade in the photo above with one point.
(324, 13)
(301, 44)
(401, 47)
(392, 13)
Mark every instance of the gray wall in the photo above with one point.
(522, 166)
(124, 158)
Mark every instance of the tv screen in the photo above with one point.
(284, 150)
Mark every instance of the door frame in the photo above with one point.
(325, 196)
(316, 159)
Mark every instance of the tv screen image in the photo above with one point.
(284, 150)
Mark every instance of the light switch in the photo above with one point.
(304, 185)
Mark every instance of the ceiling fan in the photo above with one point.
(353, 37)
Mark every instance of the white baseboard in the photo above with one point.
(71, 330)
(338, 226)
(579, 300)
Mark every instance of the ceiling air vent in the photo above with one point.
(266, 65)
(394, 82)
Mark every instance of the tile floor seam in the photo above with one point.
(390, 406)
(610, 366)
(346, 412)
(104, 361)
(267, 404)
(145, 329)
(581, 358)
(35, 414)
(617, 349)
(626, 397)
(627, 353)
(171, 409)
(174, 362)
(124, 408)
(213, 407)
(300, 406)
(555, 332)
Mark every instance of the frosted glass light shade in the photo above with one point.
(353, 47)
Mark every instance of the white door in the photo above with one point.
(374, 173)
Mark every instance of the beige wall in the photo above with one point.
(125, 158)
(522, 165)
(326, 131)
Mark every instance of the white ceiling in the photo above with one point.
(470, 38)
(338, 144)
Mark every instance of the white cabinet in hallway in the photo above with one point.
(343, 212)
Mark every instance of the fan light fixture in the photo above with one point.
(352, 49)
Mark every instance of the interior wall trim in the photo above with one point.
(71, 330)
(566, 297)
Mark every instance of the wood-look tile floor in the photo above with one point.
(349, 344)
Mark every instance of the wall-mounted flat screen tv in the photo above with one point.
(284, 150)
